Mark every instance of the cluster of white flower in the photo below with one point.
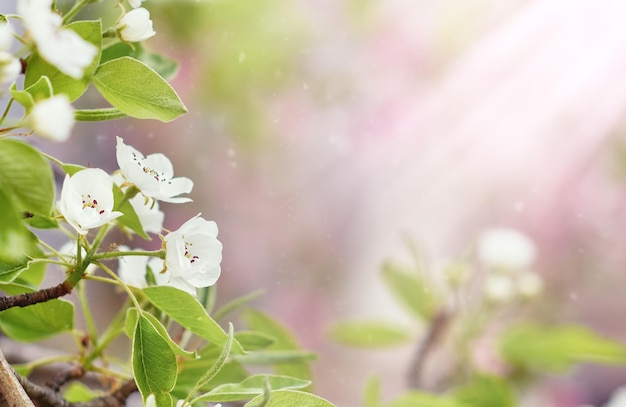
(508, 255)
(53, 118)
(192, 253)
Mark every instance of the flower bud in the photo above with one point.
(53, 118)
(10, 67)
(135, 26)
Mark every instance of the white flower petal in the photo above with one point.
(61, 47)
(135, 25)
(87, 199)
(506, 248)
(153, 175)
(193, 254)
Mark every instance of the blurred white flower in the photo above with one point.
(87, 199)
(529, 284)
(135, 3)
(135, 25)
(499, 288)
(69, 249)
(150, 401)
(53, 118)
(6, 36)
(10, 67)
(153, 175)
(618, 399)
(506, 248)
(133, 270)
(61, 47)
(193, 255)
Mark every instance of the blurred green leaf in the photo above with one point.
(236, 303)
(276, 357)
(26, 177)
(251, 340)
(189, 313)
(77, 392)
(14, 238)
(191, 369)
(416, 398)
(411, 291)
(290, 398)
(486, 391)
(252, 387)
(556, 349)
(137, 90)
(371, 397)
(38, 321)
(42, 89)
(283, 340)
(154, 363)
(369, 334)
(91, 31)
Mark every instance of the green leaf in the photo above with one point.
(130, 218)
(191, 369)
(154, 363)
(410, 291)
(131, 321)
(14, 237)
(421, 399)
(25, 272)
(283, 340)
(38, 321)
(486, 391)
(91, 31)
(71, 169)
(137, 90)
(189, 313)
(252, 387)
(290, 398)
(369, 334)
(26, 177)
(42, 89)
(163, 65)
(219, 363)
(557, 349)
(251, 340)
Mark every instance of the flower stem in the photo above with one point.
(113, 255)
(124, 286)
(74, 10)
(91, 325)
(6, 110)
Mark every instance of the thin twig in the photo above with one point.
(437, 329)
(43, 295)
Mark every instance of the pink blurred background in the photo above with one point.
(321, 135)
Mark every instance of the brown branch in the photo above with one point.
(46, 397)
(64, 376)
(13, 395)
(437, 329)
(43, 295)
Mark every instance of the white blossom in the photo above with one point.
(135, 3)
(529, 284)
(147, 210)
(87, 200)
(135, 26)
(506, 248)
(62, 47)
(153, 175)
(53, 118)
(6, 36)
(10, 67)
(193, 255)
(133, 270)
(499, 288)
